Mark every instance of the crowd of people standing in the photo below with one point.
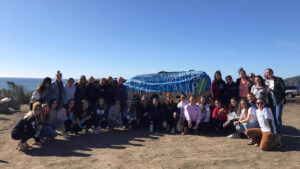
(251, 108)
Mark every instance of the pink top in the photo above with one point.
(243, 88)
(192, 113)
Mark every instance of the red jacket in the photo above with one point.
(218, 116)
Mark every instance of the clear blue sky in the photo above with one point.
(130, 37)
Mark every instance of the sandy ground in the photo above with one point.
(137, 149)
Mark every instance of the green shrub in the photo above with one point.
(16, 92)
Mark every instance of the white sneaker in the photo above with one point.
(234, 135)
(66, 135)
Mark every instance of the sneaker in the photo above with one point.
(66, 135)
(95, 131)
(234, 135)
(173, 130)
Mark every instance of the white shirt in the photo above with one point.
(252, 110)
(205, 113)
(270, 83)
(243, 114)
(181, 106)
(262, 116)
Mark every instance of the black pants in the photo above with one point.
(126, 124)
(172, 122)
(217, 123)
(230, 128)
(87, 124)
(21, 135)
(98, 120)
(69, 125)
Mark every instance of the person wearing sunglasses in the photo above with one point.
(266, 135)
(28, 127)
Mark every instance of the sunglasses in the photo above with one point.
(260, 103)
(37, 109)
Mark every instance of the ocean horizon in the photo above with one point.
(28, 83)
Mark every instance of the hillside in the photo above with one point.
(293, 81)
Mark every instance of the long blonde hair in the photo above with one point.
(32, 113)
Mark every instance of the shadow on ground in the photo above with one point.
(80, 145)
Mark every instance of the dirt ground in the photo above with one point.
(137, 149)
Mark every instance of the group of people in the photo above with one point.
(237, 109)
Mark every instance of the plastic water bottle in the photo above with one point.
(151, 128)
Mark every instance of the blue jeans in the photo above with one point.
(56, 125)
(244, 126)
(112, 123)
(277, 114)
(47, 131)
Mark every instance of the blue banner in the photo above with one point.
(196, 82)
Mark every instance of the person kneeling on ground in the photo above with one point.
(83, 118)
(266, 135)
(99, 114)
(115, 115)
(28, 127)
(205, 114)
(248, 118)
(155, 116)
(70, 121)
(129, 116)
(219, 116)
(170, 114)
(192, 115)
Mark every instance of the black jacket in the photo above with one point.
(168, 111)
(92, 93)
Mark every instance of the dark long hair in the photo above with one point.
(42, 86)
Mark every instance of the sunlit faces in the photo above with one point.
(233, 102)
(82, 79)
(54, 104)
(169, 98)
(85, 105)
(269, 73)
(218, 76)
(102, 82)
(218, 104)
(155, 101)
(128, 103)
(193, 100)
(203, 101)
(242, 74)
(260, 104)
(244, 104)
(71, 104)
(92, 80)
(120, 80)
(71, 82)
(229, 80)
(100, 101)
(58, 76)
(250, 97)
(45, 108)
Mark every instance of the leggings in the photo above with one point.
(21, 135)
